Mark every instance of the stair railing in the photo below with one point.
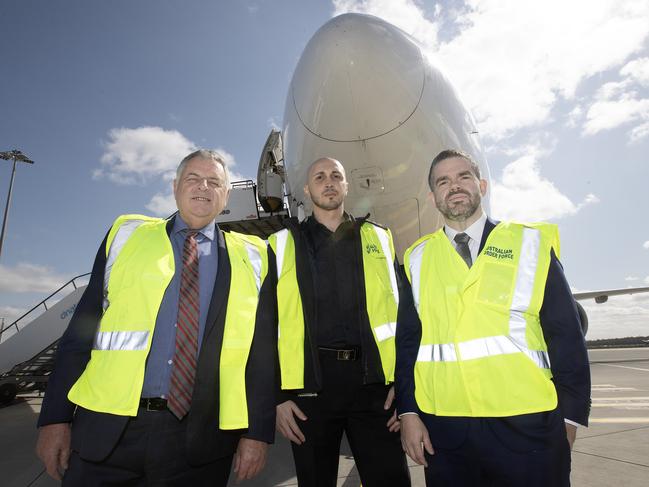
(23, 319)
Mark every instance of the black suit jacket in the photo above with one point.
(94, 435)
(569, 365)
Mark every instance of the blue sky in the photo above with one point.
(107, 96)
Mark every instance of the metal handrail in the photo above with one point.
(43, 302)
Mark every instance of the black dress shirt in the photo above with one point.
(334, 259)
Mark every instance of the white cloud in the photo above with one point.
(620, 316)
(10, 313)
(405, 14)
(522, 193)
(137, 155)
(612, 89)
(637, 70)
(573, 119)
(645, 245)
(639, 132)
(512, 59)
(25, 278)
(631, 278)
(605, 115)
(163, 203)
(144, 154)
(618, 103)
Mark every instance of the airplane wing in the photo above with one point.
(602, 296)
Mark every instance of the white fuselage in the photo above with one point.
(364, 93)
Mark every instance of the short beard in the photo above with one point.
(460, 212)
(325, 204)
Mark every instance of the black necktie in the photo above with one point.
(462, 246)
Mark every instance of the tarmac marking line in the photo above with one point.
(37, 477)
(626, 367)
(622, 404)
(615, 432)
(604, 362)
(610, 458)
(615, 389)
(618, 421)
(628, 398)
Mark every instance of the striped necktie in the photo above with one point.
(462, 246)
(184, 368)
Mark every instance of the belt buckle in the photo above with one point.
(151, 404)
(346, 355)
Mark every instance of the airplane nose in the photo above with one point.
(370, 72)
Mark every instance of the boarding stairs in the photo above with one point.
(28, 345)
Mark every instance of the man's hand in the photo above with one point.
(53, 448)
(571, 432)
(393, 423)
(414, 438)
(286, 423)
(250, 458)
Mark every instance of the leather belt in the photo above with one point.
(345, 354)
(153, 403)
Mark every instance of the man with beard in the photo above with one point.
(492, 373)
(337, 301)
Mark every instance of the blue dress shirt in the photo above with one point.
(160, 360)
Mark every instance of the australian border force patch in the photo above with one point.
(498, 253)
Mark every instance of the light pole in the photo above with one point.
(16, 156)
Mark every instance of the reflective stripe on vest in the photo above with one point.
(112, 381)
(382, 298)
(121, 340)
(290, 312)
(387, 330)
(254, 256)
(381, 292)
(248, 259)
(515, 342)
(119, 234)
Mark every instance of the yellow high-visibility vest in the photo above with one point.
(381, 296)
(139, 266)
(482, 351)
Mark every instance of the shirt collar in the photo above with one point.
(474, 231)
(207, 231)
(314, 223)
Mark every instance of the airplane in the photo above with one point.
(363, 92)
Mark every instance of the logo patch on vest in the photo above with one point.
(498, 253)
(371, 249)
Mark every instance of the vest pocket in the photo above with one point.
(496, 284)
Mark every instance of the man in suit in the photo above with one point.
(492, 373)
(337, 304)
(163, 375)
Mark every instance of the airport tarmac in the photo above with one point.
(614, 450)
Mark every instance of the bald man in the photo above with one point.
(337, 301)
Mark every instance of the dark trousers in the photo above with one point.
(484, 460)
(346, 405)
(151, 452)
